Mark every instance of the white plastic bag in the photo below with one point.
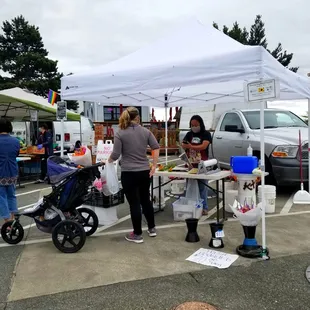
(192, 190)
(110, 184)
(83, 160)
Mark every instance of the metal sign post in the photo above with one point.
(61, 115)
(261, 91)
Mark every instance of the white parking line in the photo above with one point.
(31, 192)
(212, 211)
(28, 183)
(288, 205)
(25, 207)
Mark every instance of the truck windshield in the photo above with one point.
(274, 119)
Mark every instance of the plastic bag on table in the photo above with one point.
(249, 218)
(192, 190)
(110, 184)
(83, 160)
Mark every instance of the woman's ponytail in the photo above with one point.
(127, 117)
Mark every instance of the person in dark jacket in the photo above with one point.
(45, 140)
(8, 170)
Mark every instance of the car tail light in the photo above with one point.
(67, 137)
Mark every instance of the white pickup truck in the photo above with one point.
(235, 130)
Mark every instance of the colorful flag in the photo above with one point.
(52, 97)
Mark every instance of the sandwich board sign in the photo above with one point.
(61, 113)
(262, 90)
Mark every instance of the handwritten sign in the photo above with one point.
(104, 151)
(212, 258)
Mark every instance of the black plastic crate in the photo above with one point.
(98, 199)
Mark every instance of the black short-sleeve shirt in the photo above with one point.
(196, 139)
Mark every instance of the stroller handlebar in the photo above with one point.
(97, 165)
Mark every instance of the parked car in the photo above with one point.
(235, 130)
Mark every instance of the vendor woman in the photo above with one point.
(196, 145)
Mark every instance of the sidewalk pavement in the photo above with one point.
(274, 285)
(102, 275)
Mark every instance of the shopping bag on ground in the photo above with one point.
(110, 184)
(192, 190)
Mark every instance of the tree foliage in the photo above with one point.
(24, 59)
(257, 36)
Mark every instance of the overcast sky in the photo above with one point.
(82, 34)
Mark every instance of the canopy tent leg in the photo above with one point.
(81, 139)
(262, 166)
(166, 127)
(308, 146)
(62, 138)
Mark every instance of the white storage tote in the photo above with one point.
(178, 187)
(185, 208)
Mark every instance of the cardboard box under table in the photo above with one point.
(216, 176)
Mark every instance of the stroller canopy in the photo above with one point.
(58, 169)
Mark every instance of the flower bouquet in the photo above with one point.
(248, 214)
(81, 157)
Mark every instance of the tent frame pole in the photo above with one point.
(166, 128)
(262, 166)
(62, 138)
(81, 139)
(308, 146)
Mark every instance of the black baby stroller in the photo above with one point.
(58, 213)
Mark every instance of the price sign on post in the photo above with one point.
(262, 90)
(61, 111)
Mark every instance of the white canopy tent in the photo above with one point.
(194, 65)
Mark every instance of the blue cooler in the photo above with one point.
(243, 164)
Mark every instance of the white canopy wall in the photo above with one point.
(193, 65)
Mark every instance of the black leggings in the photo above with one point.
(136, 186)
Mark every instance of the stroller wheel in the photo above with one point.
(12, 234)
(68, 236)
(88, 219)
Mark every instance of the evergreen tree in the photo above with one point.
(257, 36)
(24, 58)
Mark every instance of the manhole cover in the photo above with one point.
(193, 305)
(308, 273)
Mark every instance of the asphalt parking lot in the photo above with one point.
(108, 273)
